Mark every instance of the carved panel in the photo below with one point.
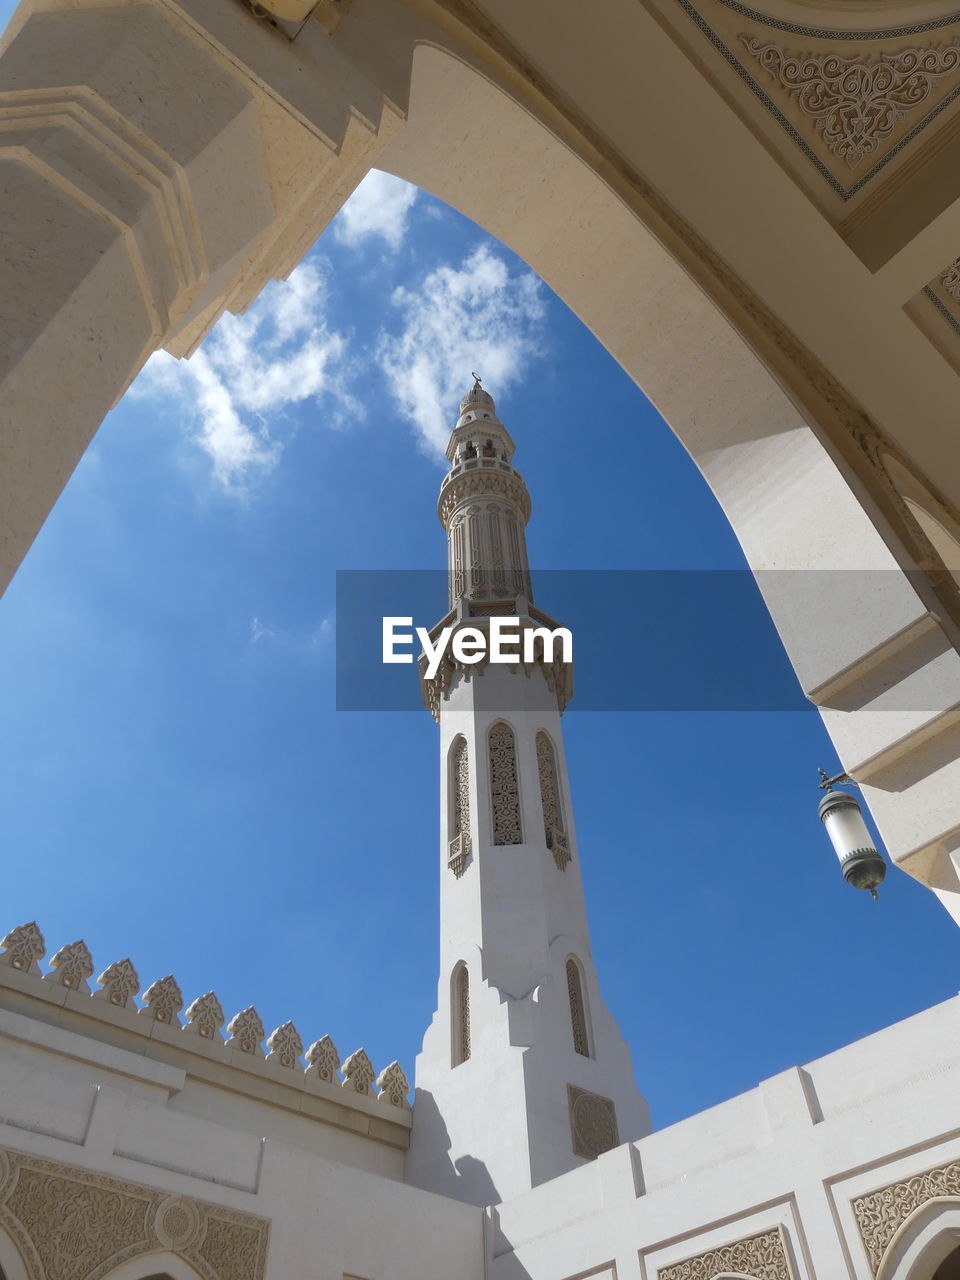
(71, 1224)
(324, 1060)
(880, 1214)
(950, 279)
(461, 1015)
(578, 1013)
(761, 1257)
(459, 848)
(553, 824)
(23, 947)
(504, 788)
(72, 966)
(593, 1123)
(856, 103)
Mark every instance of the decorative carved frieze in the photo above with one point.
(323, 1060)
(761, 1257)
(394, 1086)
(246, 1031)
(358, 1072)
(950, 279)
(857, 102)
(880, 1214)
(71, 966)
(474, 484)
(285, 1046)
(205, 1017)
(593, 1123)
(23, 948)
(118, 983)
(71, 1224)
(163, 1000)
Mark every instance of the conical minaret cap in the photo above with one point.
(478, 399)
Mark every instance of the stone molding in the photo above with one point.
(72, 1224)
(24, 947)
(880, 1214)
(762, 1256)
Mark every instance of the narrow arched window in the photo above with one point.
(504, 788)
(460, 1020)
(554, 826)
(578, 1009)
(458, 790)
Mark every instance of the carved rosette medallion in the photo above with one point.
(856, 103)
(177, 1222)
(593, 1123)
(880, 1214)
(72, 1224)
(761, 1257)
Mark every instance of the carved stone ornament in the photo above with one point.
(285, 1046)
(856, 103)
(323, 1060)
(951, 280)
(880, 1214)
(593, 1123)
(394, 1086)
(246, 1031)
(163, 1001)
(23, 947)
(504, 788)
(358, 1072)
(71, 967)
(71, 1224)
(119, 983)
(761, 1257)
(458, 852)
(205, 1017)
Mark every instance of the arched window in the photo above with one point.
(458, 790)
(460, 1011)
(504, 788)
(554, 827)
(578, 1009)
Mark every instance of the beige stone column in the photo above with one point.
(152, 173)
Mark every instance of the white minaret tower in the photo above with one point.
(523, 1072)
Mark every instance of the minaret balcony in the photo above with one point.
(458, 854)
(559, 846)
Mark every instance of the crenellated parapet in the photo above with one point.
(141, 1009)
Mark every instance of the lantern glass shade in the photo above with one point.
(860, 862)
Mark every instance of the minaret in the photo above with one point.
(523, 1072)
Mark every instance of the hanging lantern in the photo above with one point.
(860, 862)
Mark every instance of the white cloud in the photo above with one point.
(380, 206)
(477, 316)
(233, 390)
(306, 641)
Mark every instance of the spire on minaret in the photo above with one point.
(523, 1073)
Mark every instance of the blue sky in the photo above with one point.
(176, 784)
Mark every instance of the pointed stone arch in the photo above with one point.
(459, 839)
(460, 1043)
(579, 1011)
(923, 1242)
